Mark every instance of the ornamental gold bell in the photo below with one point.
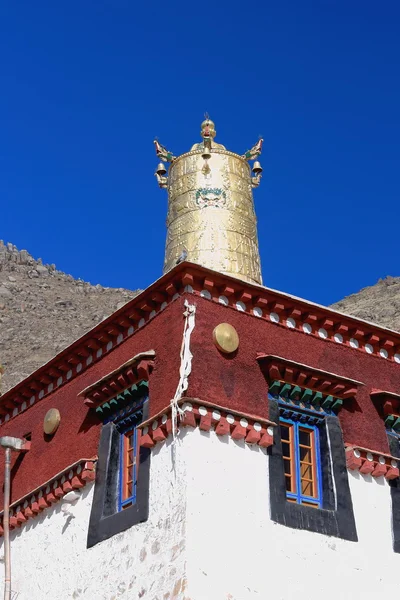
(207, 148)
(161, 170)
(257, 168)
(160, 173)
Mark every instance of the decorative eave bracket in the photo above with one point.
(132, 371)
(306, 385)
(389, 403)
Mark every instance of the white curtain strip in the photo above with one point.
(185, 366)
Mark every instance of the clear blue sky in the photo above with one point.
(85, 87)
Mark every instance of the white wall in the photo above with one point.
(211, 525)
(50, 559)
(235, 552)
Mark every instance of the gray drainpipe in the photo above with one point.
(9, 443)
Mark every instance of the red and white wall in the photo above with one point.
(209, 536)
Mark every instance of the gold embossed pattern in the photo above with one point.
(211, 212)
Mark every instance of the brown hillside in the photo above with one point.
(43, 310)
(379, 303)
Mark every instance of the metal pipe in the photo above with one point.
(9, 443)
(6, 525)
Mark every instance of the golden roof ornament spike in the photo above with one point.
(208, 134)
(211, 219)
(208, 129)
(255, 151)
(163, 153)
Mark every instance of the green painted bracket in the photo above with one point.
(297, 393)
(390, 419)
(137, 390)
(275, 387)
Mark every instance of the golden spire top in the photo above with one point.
(208, 134)
(211, 219)
(208, 129)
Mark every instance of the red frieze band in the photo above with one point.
(370, 462)
(206, 416)
(75, 477)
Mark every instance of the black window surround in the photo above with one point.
(105, 519)
(394, 484)
(336, 518)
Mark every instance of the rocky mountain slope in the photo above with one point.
(43, 310)
(379, 303)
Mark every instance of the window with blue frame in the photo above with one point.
(308, 481)
(126, 420)
(302, 462)
(128, 468)
(302, 418)
(121, 495)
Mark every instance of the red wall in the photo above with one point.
(78, 434)
(238, 382)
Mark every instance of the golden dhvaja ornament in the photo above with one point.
(211, 219)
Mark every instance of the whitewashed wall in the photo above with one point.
(209, 537)
(50, 559)
(235, 552)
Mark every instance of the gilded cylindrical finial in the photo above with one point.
(211, 219)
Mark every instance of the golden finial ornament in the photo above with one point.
(208, 129)
(210, 206)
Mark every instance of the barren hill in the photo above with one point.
(379, 303)
(43, 310)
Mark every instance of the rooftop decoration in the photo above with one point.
(210, 206)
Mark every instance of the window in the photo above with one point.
(126, 422)
(308, 480)
(394, 448)
(128, 470)
(121, 495)
(301, 459)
